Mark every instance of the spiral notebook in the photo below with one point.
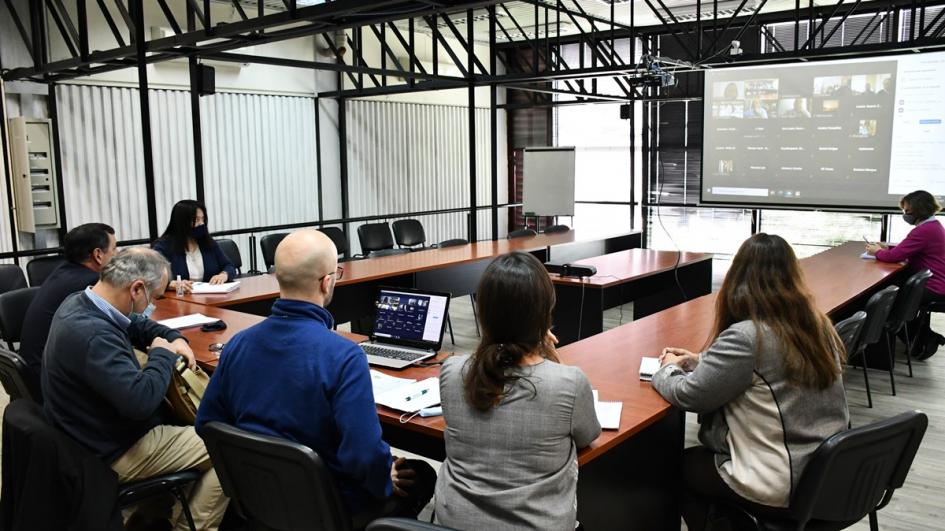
(648, 367)
(608, 413)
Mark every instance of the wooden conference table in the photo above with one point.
(645, 276)
(629, 478)
(452, 269)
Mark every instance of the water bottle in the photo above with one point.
(180, 287)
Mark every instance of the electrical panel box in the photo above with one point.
(34, 177)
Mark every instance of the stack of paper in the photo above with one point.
(188, 321)
(608, 413)
(206, 288)
(412, 396)
(648, 367)
(383, 383)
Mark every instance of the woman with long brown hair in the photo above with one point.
(767, 388)
(514, 416)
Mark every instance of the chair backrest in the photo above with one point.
(906, 307)
(268, 244)
(13, 305)
(338, 237)
(232, 251)
(520, 233)
(877, 312)
(850, 330)
(409, 232)
(403, 524)
(11, 277)
(274, 482)
(557, 228)
(856, 471)
(387, 252)
(453, 242)
(13, 376)
(38, 269)
(375, 237)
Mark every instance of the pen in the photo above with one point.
(418, 395)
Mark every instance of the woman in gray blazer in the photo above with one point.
(515, 417)
(768, 388)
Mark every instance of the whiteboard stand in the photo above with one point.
(548, 187)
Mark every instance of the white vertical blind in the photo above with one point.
(260, 164)
(409, 157)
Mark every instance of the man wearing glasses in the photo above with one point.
(291, 376)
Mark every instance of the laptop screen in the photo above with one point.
(410, 316)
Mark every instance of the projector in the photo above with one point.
(571, 270)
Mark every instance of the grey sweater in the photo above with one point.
(515, 466)
(95, 389)
(762, 428)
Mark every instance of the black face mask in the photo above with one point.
(199, 232)
(909, 218)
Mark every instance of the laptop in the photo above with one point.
(408, 328)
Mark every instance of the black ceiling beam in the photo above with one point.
(169, 16)
(431, 23)
(60, 25)
(403, 42)
(462, 42)
(110, 20)
(20, 28)
(554, 91)
(315, 65)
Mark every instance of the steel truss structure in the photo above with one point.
(543, 52)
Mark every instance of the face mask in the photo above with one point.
(909, 218)
(144, 315)
(199, 232)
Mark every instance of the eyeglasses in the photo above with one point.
(339, 273)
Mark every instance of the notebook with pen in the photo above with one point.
(410, 397)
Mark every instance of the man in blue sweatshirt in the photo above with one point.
(100, 396)
(291, 376)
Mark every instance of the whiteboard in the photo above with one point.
(548, 189)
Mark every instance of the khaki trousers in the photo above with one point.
(167, 449)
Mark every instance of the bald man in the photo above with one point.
(291, 376)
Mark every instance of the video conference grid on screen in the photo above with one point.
(838, 133)
(404, 315)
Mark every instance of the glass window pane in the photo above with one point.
(602, 139)
(600, 219)
(712, 230)
(812, 232)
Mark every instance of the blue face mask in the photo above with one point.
(144, 315)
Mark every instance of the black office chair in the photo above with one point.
(851, 475)
(11, 277)
(521, 233)
(409, 233)
(39, 269)
(387, 252)
(232, 252)
(268, 244)
(29, 436)
(13, 305)
(338, 237)
(904, 311)
(274, 483)
(13, 377)
(850, 330)
(375, 237)
(403, 524)
(878, 308)
(455, 242)
(557, 228)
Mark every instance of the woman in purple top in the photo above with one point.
(924, 248)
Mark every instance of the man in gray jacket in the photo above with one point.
(98, 394)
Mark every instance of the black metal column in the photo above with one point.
(53, 105)
(343, 154)
(318, 157)
(471, 65)
(494, 125)
(137, 14)
(195, 113)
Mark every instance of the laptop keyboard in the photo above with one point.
(392, 353)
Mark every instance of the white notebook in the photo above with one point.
(648, 367)
(608, 413)
(188, 321)
(412, 396)
(381, 383)
(205, 288)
